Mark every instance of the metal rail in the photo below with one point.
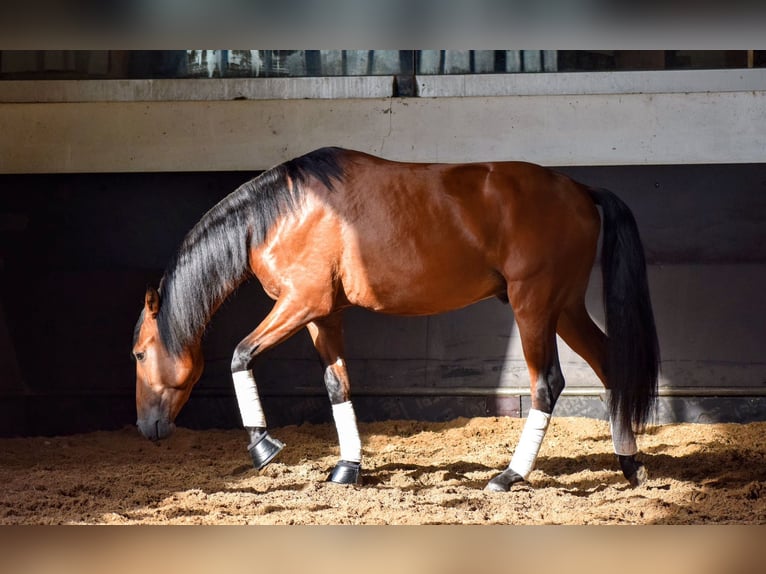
(420, 391)
(524, 391)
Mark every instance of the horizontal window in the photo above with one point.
(138, 64)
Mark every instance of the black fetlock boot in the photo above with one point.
(345, 472)
(263, 448)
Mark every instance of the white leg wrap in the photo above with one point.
(348, 433)
(623, 438)
(529, 444)
(248, 400)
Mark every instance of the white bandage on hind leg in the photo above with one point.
(529, 444)
(348, 433)
(623, 439)
(247, 397)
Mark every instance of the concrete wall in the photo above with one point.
(669, 118)
(253, 134)
(77, 250)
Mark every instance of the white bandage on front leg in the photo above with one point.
(348, 433)
(623, 439)
(529, 444)
(247, 397)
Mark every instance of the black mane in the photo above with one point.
(212, 260)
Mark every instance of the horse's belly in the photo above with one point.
(419, 286)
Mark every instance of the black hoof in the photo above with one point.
(633, 470)
(503, 481)
(345, 472)
(263, 449)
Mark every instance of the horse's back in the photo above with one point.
(408, 246)
(487, 206)
(421, 238)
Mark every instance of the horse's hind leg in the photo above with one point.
(537, 325)
(327, 335)
(586, 339)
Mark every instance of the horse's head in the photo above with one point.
(164, 380)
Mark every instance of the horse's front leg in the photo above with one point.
(288, 316)
(327, 335)
(263, 447)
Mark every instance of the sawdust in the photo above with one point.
(415, 473)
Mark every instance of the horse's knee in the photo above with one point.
(242, 357)
(240, 362)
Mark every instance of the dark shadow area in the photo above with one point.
(706, 250)
(77, 251)
(76, 254)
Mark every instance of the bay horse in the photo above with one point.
(337, 228)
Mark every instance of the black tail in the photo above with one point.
(633, 353)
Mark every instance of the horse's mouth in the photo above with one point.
(155, 429)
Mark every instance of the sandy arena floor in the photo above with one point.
(415, 473)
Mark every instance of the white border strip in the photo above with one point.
(589, 83)
(195, 89)
(573, 391)
(344, 87)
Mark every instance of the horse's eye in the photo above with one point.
(140, 356)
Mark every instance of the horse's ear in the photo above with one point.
(152, 301)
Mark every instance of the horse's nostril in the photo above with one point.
(155, 429)
(148, 429)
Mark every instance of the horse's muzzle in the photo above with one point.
(155, 429)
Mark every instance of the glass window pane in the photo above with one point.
(82, 64)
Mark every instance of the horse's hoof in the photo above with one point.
(263, 449)
(345, 472)
(640, 478)
(503, 481)
(634, 471)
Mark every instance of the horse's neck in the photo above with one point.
(193, 300)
